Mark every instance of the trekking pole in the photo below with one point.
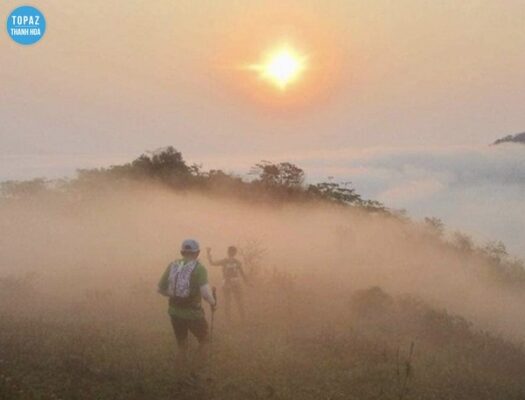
(214, 292)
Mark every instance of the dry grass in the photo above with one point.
(373, 346)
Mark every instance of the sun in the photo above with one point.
(281, 67)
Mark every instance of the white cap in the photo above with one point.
(190, 246)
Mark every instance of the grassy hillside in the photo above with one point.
(370, 346)
(350, 300)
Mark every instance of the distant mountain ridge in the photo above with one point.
(518, 138)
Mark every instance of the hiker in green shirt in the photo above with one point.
(232, 273)
(185, 282)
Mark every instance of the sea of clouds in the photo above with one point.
(479, 190)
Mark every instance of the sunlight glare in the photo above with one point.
(282, 67)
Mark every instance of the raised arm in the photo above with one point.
(210, 259)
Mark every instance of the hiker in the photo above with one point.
(185, 282)
(232, 273)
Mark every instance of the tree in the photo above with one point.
(496, 250)
(16, 190)
(435, 225)
(337, 192)
(463, 242)
(162, 163)
(283, 174)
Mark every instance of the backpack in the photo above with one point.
(179, 281)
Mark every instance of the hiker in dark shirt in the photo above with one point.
(232, 273)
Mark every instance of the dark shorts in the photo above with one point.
(181, 327)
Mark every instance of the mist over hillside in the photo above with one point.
(475, 189)
(364, 283)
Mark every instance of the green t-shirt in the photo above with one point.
(193, 310)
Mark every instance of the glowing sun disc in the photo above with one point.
(281, 67)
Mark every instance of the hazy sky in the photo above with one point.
(110, 80)
(113, 78)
